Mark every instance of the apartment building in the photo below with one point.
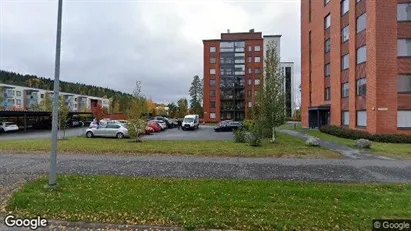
(234, 72)
(356, 64)
(26, 98)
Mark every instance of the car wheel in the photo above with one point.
(119, 135)
(89, 134)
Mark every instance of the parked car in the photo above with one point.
(8, 127)
(154, 125)
(166, 120)
(191, 122)
(148, 130)
(227, 126)
(74, 123)
(162, 124)
(109, 130)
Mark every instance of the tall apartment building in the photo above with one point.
(233, 74)
(356, 64)
(26, 98)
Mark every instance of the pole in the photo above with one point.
(53, 154)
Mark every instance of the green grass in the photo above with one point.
(286, 146)
(401, 151)
(222, 204)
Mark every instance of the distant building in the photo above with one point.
(18, 97)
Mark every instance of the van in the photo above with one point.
(190, 122)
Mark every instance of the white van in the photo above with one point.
(190, 122)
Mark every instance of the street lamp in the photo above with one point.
(54, 130)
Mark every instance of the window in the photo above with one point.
(212, 71)
(10, 92)
(309, 10)
(249, 93)
(212, 49)
(212, 60)
(18, 101)
(327, 45)
(250, 104)
(250, 48)
(362, 118)
(345, 33)
(326, 2)
(404, 47)
(345, 62)
(362, 87)
(239, 69)
(404, 84)
(250, 82)
(345, 90)
(212, 104)
(212, 93)
(345, 118)
(249, 59)
(256, 81)
(257, 48)
(362, 22)
(404, 12)
(327, 69)
(327, 95)
(212, 115)
(362, 54)
(257, 59)
(404, 119)
(212, 82)
(226, 46)
(327, 21)
(42, 96)
(255, 92)
(257, 70)
(250, 71)
(18, 93)
(345, 6)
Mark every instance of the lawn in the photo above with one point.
(286, 146)
(220, 204)
(402, 151)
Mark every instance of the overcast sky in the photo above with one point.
(113, 43)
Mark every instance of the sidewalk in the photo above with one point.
(344, 150)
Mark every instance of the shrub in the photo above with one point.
(239, 136)
(255, 137)
(248, 124)
(356, 134)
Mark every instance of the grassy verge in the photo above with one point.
(226, 204)
(286, 146)
(402, 151)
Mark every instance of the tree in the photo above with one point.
(46, 104)
(151, 107)
(271, 100)
(63, 114)
(135, 121)
(116, 108)
(196, 95)
(182, 107)
(172, 110)
(98, 113)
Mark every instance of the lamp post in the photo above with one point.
(55, 114)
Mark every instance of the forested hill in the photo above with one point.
(117, 97)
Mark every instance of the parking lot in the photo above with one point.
(205, 132)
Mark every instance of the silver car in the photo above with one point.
(109, 130)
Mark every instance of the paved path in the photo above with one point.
(344, 150)
(45, 134)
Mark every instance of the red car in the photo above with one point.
(149, 130)
(155, 126)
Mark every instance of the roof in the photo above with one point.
(270, 36)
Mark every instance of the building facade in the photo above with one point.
(356, 64)
(26, 98)
(233, 74)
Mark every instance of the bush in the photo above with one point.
(248, 124)
(239, 136)
(356, 134)
(255, 137)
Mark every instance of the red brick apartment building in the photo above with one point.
(356, 64)
(233, 73)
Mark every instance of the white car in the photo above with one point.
(191, 122)
(108, 130)
(162, 124)
(8, 127)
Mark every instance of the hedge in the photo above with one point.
(356, 134)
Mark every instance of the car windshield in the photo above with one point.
(8, 124)
(188, 120)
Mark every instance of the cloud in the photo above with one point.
(114, 43)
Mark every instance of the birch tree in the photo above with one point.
(136, 124)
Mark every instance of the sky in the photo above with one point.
(113, 43)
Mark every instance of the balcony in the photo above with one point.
(226, 97)
(239, 96)
(239, 85)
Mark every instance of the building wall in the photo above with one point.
(381, 68)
